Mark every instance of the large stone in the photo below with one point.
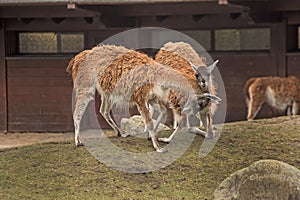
(265, 179)
(135, 126)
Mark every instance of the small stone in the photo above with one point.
(135, 126)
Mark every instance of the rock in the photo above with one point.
(135, 126)
(265, 179)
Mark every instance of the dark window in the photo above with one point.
(202, 37)
(242, 39)
(50, 42)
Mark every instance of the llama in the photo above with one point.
(184, 59)
(280, 93)
(80, 59)
(127, 77)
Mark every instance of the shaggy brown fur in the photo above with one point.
(177, 56)
(280, 93)
(124, 76)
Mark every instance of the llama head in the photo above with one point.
(203, 74)
(196, 103)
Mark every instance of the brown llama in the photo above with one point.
(278, 92)
(127, 77)
(184, 59)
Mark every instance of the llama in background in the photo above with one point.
(280, 93)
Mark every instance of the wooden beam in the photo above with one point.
(3, 81)
(269, 5)
(189, 22)
(286, 5)
(293, 18)
(43, 11)
(47, 24)
(278, 48)
(266, 17)
(188, 8)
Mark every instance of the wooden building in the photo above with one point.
(38, 37)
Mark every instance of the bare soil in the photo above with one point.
(8, 140)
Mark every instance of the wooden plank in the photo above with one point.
(293, 18)
(187, 22)
(43, 11)
(48, 81)
(46, 24)
(293, 61)
(3, 91)
(161, 9)
(39, 90)
(55, 62)
(41, 107)
(281, 48)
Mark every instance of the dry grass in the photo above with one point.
(59, 170)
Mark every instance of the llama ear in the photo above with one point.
(193, 66)
(203, 59)
(211, 67)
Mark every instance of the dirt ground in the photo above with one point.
(8, 140)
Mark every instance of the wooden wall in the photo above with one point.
(36, 92)
(3, 99)
(293, 64)
(39, 95)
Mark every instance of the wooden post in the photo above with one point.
(278, 48)
(3, 81)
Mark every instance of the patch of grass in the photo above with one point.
(59, 170)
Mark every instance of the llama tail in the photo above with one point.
(76, 62)
(246, 89)
(69, 68)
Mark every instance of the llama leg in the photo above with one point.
(206, 119)
(210, 131)
(253, 109)
(81, 104)
(175, 120)
(177, 117)
(257, 98)
(149, 123)
(181, 123)
(295, 108)
(162, 114)
(151, 111)
(197, 130)
(169, 139)
(105, 109)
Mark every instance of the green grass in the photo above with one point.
(59, 170)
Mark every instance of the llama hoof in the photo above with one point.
(124, 135)
(78, 144)
(210, 135)
(161, 150)
(166, 140)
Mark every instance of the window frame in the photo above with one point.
(241, 50)
(59, 51)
